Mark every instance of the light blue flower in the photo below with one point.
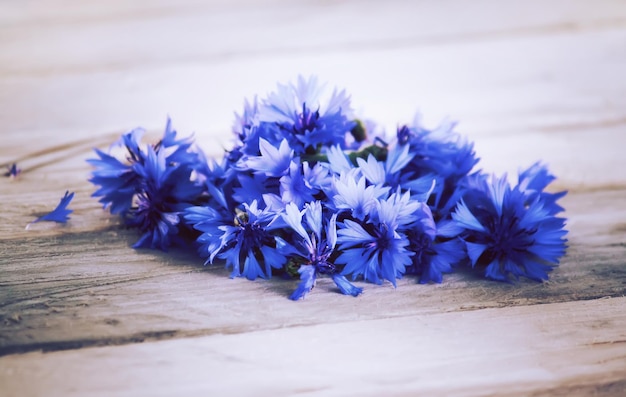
(313, 246)
(354, 195)
(304, 118)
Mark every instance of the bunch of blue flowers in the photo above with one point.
(308, 190)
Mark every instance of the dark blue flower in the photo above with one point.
(246, 243)
(507, 235)
(248, 132)
(313, 248)
(441, 155)
(440, 151)
(435, 251)
(60, 214)
(166, 190)
(117, 181)
(152, 187)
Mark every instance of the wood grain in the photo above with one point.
(534, 80)
(80, 288)
(510, 350)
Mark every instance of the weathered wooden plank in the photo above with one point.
(528, 81)
(554, 83)
(530, 350)
(81, 285)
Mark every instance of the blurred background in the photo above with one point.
(527, 80)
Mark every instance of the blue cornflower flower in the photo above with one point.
(153, 186)
(440, 154)
(117, 180)
(247, 244)
(508, 235)
(60, 214)
(355, 195)
(248, 131)
(375, 248)
(166, 190)
(314, 248)
(304, 120)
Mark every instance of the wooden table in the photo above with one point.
(82, 313)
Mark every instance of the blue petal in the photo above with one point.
(352, 233)
(293, 218)
(307, 277)
(465, 218)
(373, 170)
(60, 214)
(313, 216)
(345, 286)
(474, 251)
(272, 161)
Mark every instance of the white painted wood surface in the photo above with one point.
(533, 80)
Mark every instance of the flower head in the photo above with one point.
(303, 119)
(165, 191)
(246, 243)
(152, 187)
(355, 195)
(442, 155)
(314, 247)
(375, 248)
(507, 235)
